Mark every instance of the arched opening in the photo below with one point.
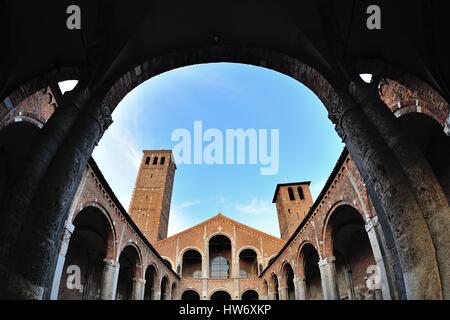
(248, 263)
(275, 288)
(291, 194)
(190, 295)
(165, 289)
(288, 282)
(150, 283)
(15, 142)
(174, 292)
(251, 295)
(355, 262)
(88, 248)
(220, 296)
(192, 264)
(313, 284)
(301, 194)
(265, 289)
(434, 144)
(129, 270)
(220, 257)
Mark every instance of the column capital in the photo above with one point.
(326, 261)
(139, 280)
(69, 226)
(111, 263)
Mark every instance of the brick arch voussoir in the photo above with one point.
(260, 57)
(112, 235)
(327, 229)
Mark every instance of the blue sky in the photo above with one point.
(222, 96)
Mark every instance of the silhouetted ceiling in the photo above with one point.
(330, 35)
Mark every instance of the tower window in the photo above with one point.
(147, 161)
(155, 161)
(300, 193)
(163, 160)
(291, 194)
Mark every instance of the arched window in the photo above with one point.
(163, 161)
(155, 161)
(291, 194)
(300, 193)
(219, 268)
(147, 161)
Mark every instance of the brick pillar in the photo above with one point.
(328, 275)
(138, 289)
(300, 288)
(68, 231)
(110, 278)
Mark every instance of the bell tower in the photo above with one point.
(293, 201)
(152, 195)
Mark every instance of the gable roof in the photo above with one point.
(221, 217)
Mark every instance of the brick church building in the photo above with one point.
(332, 247)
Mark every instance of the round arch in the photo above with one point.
(250, 294)
(190, 295)
(348, 242)
(221, 259)
(92, 242)
(274, 287)
(287, 281)
(220, 294)
(165, 288)
(191, 263)
(308, 271)
(151, 281)
(112, 246)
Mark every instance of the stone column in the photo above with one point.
(110, 278)
(36, 254)
(432, 206)
(328, 275)
(283, 293)
(272, 295)
(300, 288)
(156, 292)
(350, 286)
(378, 165)
(68, 231)
(16, 210)
(138, 289)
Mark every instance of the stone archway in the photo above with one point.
(287, 285)
(250, 295)
(348, 248)
(91, 243)
(151, 276)
(130, 272)
(220, 296)
(190, 295)
(311, 284)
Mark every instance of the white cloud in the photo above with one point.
(256, 207)
(180, 220)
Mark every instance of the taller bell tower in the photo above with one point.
(152, 195)
(293, 200)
